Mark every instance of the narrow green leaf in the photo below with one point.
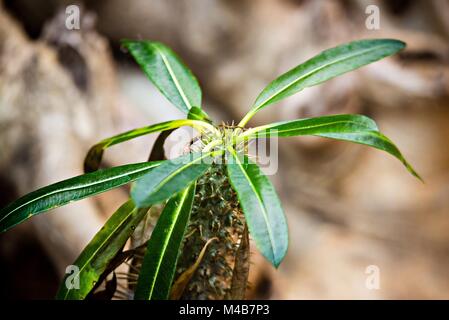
(105, 245)
(346, 127)
(159, 263)
(261, 206)
(197, 113)
(95, 154)
(167, 72)
(170, 178)
(326, 65)
(70, 190)
(341, 123)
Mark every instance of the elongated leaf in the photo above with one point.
(164, 68)
(197, 113)
(95, 154)
(346, 127)
(159, 263)
(70, 190)
(170, 178)
(341, 123)
(105, 245)
(326, 65)
(261, 206)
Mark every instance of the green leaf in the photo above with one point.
(105, 245)
(197, 113)
(70, 190)
(261, 206)
(159, 263)
(167, 72)
(170, 178)
(326, 65)
(346, 127)
(95, 154)
(340, 123)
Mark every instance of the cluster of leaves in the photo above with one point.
(174, 181)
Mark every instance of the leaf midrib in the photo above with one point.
(165, 244)
(175, 80)
(73, 189)
(268, 127)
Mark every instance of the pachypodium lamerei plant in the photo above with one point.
(208, 199)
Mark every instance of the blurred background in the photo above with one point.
(353, 212)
